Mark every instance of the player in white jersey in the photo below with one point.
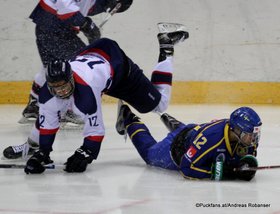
(101, 68)
(58, 23)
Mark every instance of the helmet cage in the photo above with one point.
(246, 124)
(254, 137)
(63, 91)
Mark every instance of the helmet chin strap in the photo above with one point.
(238, 137)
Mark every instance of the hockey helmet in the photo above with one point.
(59, 78)
(246, 124)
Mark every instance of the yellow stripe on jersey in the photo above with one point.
(226, 130)
(133, 123)
(207, 127)
(200, 170)
(211, 148)
(192, 178)
(208, 150)
(137, 131)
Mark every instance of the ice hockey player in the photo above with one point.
(213, 150)
(101, 68)
(58, 23)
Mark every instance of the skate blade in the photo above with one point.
(165, 27)
(63, 125)
(71, 126)
(120, 103)
(25, 120)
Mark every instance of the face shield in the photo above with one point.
(250, 139)
(61, 89)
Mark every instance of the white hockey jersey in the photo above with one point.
(54, 13)
(64, 8)
(91, 73)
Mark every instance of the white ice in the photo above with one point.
(119, 182)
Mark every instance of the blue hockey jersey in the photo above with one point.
(204, 143)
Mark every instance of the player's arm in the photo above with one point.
(47, 125)
(94, 134)
(195, 161)
(194, 164)
(224, 171)
(94, 128)
(104, 5)
(70, 14)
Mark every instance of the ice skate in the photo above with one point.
(170, 34)
(71, 117)
(170, 122)
(125, 115)
(167, 27)
(31, 111)
(21, 151)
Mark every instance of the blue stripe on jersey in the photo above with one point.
(84, 99)
(46, 142)
(45, 94)
(93, 146)
(161, 78)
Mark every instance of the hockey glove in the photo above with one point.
(79, 160)
(90, 30)
(35, 165)
(222, 171)
(243, 173)
(125, 4)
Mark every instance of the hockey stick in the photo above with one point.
(22, 166)
(110, 14)
(257, 168)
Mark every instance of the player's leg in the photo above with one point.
(28, 148)
(32, 108)
(54, 44)
(170, 122)
(153, 153)
(163, 71)
(167, 40)
(137, 90)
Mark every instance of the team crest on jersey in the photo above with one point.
(241, 151)
(191, 152)
(54, 1)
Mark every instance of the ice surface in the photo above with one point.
(119, 182)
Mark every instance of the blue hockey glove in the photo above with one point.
(79, 160)
(90, 30)
(245, 162)
(35, 165)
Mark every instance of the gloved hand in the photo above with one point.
(125, 4)
(90, 30)
(79, 160)
(35, 164)
(222, 171)
(245, 162)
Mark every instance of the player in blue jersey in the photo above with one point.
(58, 23)
(213, 150)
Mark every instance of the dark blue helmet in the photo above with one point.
(58, 70)
(59, 78)
(246, 121)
